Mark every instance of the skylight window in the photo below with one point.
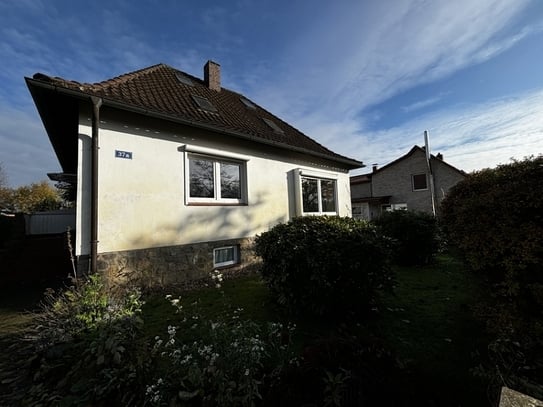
(204, 104)
(248, 103)
(273, 126)
(181, 77)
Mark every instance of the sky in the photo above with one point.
(364, 78)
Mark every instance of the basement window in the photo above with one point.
(204, 104)
(273, 126)
(225, 256)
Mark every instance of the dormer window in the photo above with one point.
(273, 126)
(182, 78)
(247, 103)
(204, 104)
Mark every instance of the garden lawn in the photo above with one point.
(426, 322)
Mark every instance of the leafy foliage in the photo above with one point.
(86, 347)
(225, 364)
(495, 218)
(325, 265)
(35, 197)
(415, 233)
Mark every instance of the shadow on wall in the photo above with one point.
(163, 264)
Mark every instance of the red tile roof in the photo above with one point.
(157, 90)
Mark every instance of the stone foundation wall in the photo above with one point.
(172, 265)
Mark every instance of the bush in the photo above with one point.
(224, 364)
(86, 348)
(495, 218)
(325, 265)
(415, 233)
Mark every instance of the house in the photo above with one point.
(410, 182)
(176, 175)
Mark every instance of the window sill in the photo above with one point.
(216, 204)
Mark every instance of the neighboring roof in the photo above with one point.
(360, 179)
(164, 92)
(403, 157)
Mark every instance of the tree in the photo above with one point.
(40, 196)
(3, 177)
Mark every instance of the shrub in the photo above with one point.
(325, 265)
(224, 365)
(85, 348)
(495, 218)
(415, 234)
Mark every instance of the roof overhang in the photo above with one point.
(373, 199)
(38, 87)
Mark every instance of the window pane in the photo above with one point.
(419, 181)
(201, 178)
(310, 195)
(230, 180)
(328, 192)
(223, 255)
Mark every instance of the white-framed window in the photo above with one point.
(215, 180)
(394, 207)
(419, 182)
(318, 194)
(225, 256)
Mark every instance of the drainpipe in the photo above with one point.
(96, 103)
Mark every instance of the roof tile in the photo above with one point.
(157, 89)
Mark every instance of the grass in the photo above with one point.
(426, 322)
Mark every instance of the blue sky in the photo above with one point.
(364, 78)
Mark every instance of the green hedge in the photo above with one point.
(415, 233)
(495, 218)
(325, 265)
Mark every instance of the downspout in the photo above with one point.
(96, 103)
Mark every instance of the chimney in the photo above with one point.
(374, 167)
(212, 75)
(439, 156)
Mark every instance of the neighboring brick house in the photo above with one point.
(404, 184)
(175, 175)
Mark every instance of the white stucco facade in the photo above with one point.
(141, 199)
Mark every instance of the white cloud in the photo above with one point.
(421, 104)
(470, 137)
(355, 56)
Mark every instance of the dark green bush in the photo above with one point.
(495, 218)
(86, 347)
(325, 265)
(415, 233)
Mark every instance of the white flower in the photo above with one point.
(168, 296)
(246, 372)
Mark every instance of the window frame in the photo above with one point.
(217, 199)
(235, 258)
(319, 177)
(413, 181)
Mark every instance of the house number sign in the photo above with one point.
(123, 154)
